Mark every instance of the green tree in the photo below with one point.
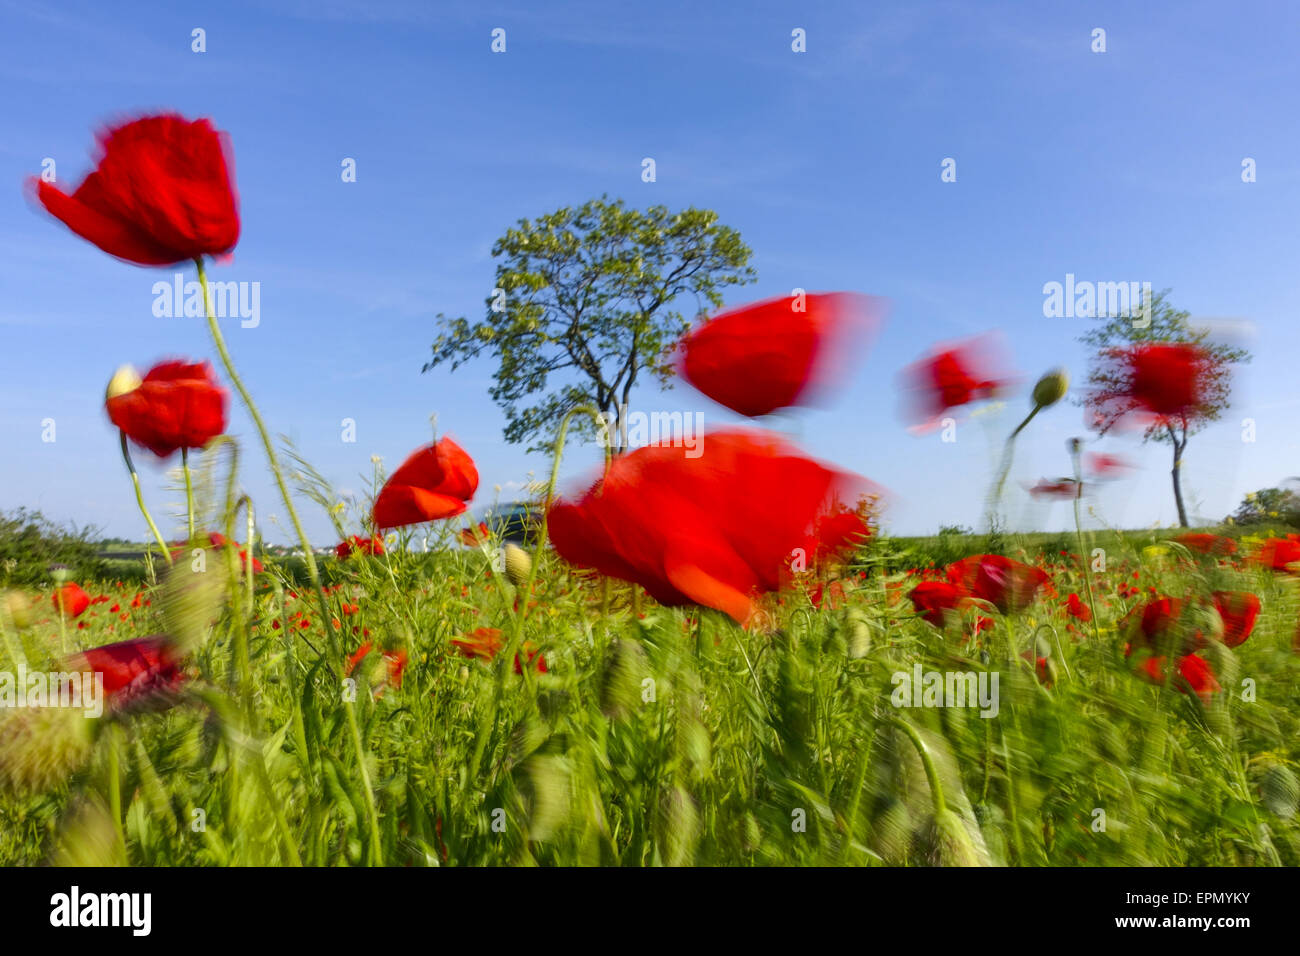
(1266, 505)
(583, 308)
(1158, 321)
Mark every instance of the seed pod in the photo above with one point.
(41, 747)
(1051, 388)
(518, 564)
(192, 598)
(1280, 791)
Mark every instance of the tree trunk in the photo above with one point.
(1178, 485)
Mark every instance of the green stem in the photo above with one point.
(995, 500)
(310, 559)
(927, 761)
(1078, 531)
(139, 500)
(189, 492)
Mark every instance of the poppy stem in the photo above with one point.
(139, 500)
(1075, 449)
(995, 500)
(189, 492)
(308, 557)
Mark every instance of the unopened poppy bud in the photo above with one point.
(19, 607)
(950, 842)
(518, 564)
(1051, 388)
(125, 379)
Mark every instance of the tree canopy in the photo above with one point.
(583, 308)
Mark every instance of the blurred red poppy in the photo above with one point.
(1193, 671)
(1151, 383)
(935, 600)
(359, 545)
(1278, 553)
(1077, 608)
(1239, 611)
(1106, 466)
(484, 643)
(218, 540)
(143, 671)
(395, 662)
(714, 529)
(476, 536)
(71, 600)
(777, 353)
(177, 405)
(952, 376)
(1008, 585)
(1205, 543)
(1159, 617)
(433, 483)
(162, 192)
(1064, 488)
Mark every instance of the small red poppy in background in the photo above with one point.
(394, 660)
(1106, 466)
(218, 541)
(777, 353)
(433, 483)
(1063, 488)
(1152, 383)
(1205, 543)
(476, 536)
(712, 530)
(1239, 610)
(950, 377)
(1078, 608)
(1278, 553)
(162, 192)
(70, 600)
(143, 671)
(359, 545)
(176, 405)
(484, 643)
(1008, 585)
(1193, 671)
(936, 600)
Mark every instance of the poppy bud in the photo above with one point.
(1051, 388)
(41, 747)
(949, 841)
(125, 379)
(20, 609)
(518, 564)
(1280, 790)
(620, 685)
(192, 596)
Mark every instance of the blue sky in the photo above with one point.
(1115, 166)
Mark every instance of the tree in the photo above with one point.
(582, 308)
(1110, 392)
(1268, 504)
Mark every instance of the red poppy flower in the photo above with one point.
(709, 530)
(1065, 488)
(1278, 553)
(1193, 671)
(395, 661)
(359, 545)
(933, 600)
(1159, 617)
(1106, 466)
(772, 354)
(1208, 543)
(951, 377)
(175, 406)
(71, 600)
(1239, 611)
(141, 671)
(1151, 383)
(433, 483)
(162, 192)
(474, 537)
(484, 643)
(1008, 585)
(1077, 608)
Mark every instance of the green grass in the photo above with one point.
(676, 737)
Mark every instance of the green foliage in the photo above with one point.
(585, 308)
(30, 543)
(1268, 506)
